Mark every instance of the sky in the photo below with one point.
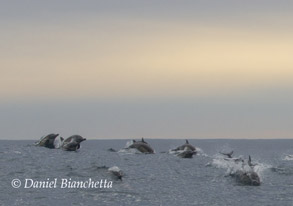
(146, 68)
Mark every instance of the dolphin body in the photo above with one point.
(249, 177)
(111, 150)
(230, 158)
(187, 153)
(229, 155)
(116, 172)
(142, 146)
(47, 141)
(185, 146)
(72, 143)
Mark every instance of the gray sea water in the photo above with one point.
(152, 179)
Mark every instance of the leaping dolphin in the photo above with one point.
(186, 153)
(47, 141)
(142, 146)
(116, 171)
(247, 177)
(229, 155)
(186, 145)
(230, 158)
(72, 143)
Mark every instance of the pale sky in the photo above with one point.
(151, 68)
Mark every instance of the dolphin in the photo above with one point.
(229, 155)
(230, 158)
(72, 143)
(116, 171)
(71, 146)
(186, 145)
(47, 141)
(187, 153)
(111, 150)
(142, 146)
(247, 177)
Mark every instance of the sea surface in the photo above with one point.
(149, 179)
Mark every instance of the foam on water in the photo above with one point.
(129, 151)
(288, 157)
(232, 165)
(128, 143)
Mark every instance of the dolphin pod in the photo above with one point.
(72, 143)
(243, 176)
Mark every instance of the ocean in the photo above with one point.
(32, 175)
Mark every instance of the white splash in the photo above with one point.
(114, 169)
(288, 157)
(129, 151)
(58, 142)
(128, 143)
(233, 165)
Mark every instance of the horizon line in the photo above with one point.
(165, 139)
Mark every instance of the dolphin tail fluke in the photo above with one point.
(229, 155)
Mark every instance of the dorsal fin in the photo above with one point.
(142, 139)
(249, 161)
(134, 140)
(187, 141)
